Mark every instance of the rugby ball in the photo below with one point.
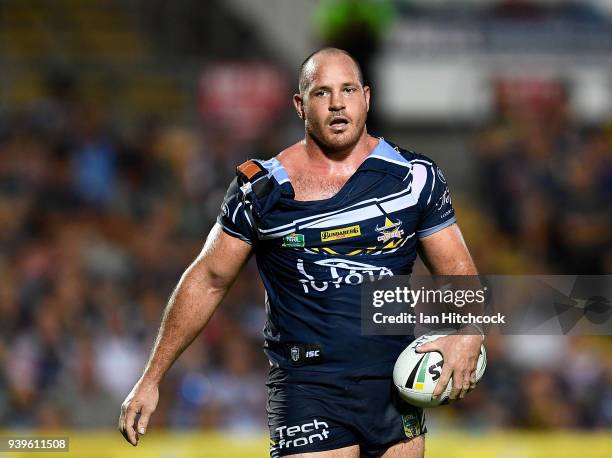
(415, 374)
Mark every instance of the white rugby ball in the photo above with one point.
(415, 374)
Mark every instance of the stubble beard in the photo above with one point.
(335, 142)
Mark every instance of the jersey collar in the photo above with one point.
(386, 159)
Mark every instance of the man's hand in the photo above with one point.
(460, 355)
(141, 400)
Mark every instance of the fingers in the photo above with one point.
(126, 423)
(121, 425)
(442, 382)
(426, 347)
(460, 366)
(457, 385)
(136, 411)
(468, 378)
(473, 380)
(130, 419)
(143, 422)
(465, 384)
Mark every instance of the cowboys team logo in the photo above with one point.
(390, 230)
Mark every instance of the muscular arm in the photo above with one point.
(197, 295)
(445, 253)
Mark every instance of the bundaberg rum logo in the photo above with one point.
(342, 233)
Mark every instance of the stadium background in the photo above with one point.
(121, 123)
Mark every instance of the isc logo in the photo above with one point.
(312, 353)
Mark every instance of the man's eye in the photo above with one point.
(320, 93)
(349, 89)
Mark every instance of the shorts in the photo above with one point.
(364, 411)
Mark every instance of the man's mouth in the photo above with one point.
(339, 123)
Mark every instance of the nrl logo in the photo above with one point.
(293, 241)
(295, 354)
(391, 230)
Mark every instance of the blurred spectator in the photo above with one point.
(357, 26)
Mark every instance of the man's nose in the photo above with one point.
(336, 102)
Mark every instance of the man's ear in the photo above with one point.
(298, 103)
(366, 94)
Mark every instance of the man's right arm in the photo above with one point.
(194, 300)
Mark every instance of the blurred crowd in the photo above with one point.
(546, 184)
(96, 226)
(98, 221)
(543, 192)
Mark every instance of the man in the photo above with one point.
(336, 209)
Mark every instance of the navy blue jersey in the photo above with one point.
(314, 255)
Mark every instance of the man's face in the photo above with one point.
(334, 104)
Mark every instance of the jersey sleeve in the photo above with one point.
(233, 218)
(438, 211)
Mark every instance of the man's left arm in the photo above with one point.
(445, 253)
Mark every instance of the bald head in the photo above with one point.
(309, 66)
(333, 101)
